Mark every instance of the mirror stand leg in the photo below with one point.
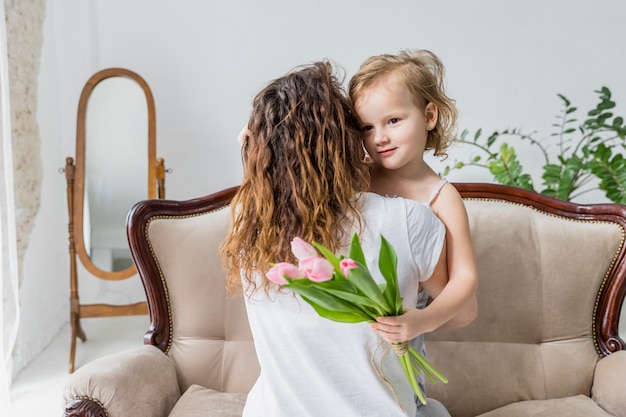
(80, 332)
(77, 332)
(72, 345)
(76, 329)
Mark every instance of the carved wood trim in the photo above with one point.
(85, 407)
(613, 290)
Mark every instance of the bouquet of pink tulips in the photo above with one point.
(342, 289)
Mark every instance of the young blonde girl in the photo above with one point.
(404, 111)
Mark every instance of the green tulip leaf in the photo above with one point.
(363, 281)
(356, 251)
(338, 316)
(320, 298)
(388, 265)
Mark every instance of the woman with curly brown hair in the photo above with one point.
(304, 177)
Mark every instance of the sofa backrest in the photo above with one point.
(175, 246)
(551, 283)
(544, 271)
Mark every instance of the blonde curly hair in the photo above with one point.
(423, 74)
(303, 171)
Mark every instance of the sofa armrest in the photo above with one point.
(138, 382)
(608, 383)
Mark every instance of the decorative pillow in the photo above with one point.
(199, 401)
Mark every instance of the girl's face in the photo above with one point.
(394, 127)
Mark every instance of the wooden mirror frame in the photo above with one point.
(79, 181)
(75, 177)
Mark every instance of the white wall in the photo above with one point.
(205, 60)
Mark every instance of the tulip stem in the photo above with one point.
(407, 365)
(428, 369)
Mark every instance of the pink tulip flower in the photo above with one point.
(346, 264)
(278, 272)
(302, 249)
(316, 268)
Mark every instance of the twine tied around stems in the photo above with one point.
(400, 349)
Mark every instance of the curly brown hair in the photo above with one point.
(423, 74)
(303, 171)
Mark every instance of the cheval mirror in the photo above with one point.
(115, 167)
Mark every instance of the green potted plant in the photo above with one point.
(585, 151)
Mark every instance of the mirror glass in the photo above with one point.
(116, 158)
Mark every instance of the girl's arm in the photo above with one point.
(453, 284)
(458, 297)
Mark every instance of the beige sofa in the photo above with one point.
(552, 280)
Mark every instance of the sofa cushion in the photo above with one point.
(198, 401)
(576, 406)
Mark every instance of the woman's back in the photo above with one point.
(311, 366)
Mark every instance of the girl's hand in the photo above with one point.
(399, 328)
(244, 135)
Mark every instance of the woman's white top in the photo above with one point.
(312, 366)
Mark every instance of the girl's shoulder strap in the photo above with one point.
(436, 190)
